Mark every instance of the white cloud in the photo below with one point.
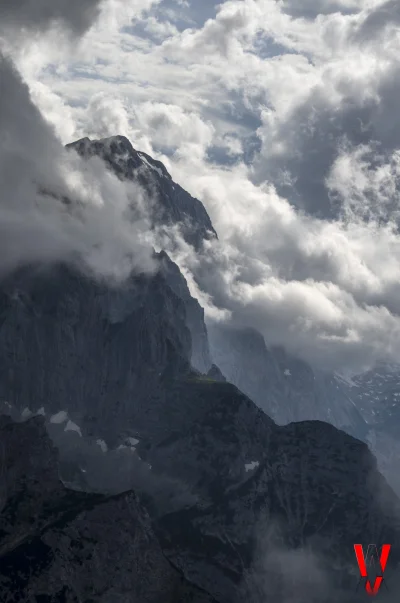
(367, 183)
(104, 116)
(56, 112)
(326, 290)
(161, 30)
(315, 85)
(53, 206)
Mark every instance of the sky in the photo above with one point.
(281, 116)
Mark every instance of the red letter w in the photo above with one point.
(361, 560)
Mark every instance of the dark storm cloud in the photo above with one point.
(316, 130)
(377, 20)
(27, 143)
(77, 15)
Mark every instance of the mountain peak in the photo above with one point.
(117, 145)
(175, 205)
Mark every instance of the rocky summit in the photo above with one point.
(138, 462)
(174, 204)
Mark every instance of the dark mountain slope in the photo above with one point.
(316, 491)
(60, 546)
(117, 361)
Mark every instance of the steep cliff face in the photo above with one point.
(70, 343)
(200, 355)
(113, 365)
(173, 206)
(60, 546)
(377, 394)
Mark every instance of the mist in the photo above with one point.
(53, 205)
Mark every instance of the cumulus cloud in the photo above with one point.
(53, 206)
(308, 242)
(350, 96)
(171, 128)
(328, 291)
(104, 116)
(366, 183)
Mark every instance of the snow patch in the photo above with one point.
(41, 412)
(132, 441)
(26, 413)
(59, 417)
(153, 167)
(125, 447)
(251, 466)
(70, 426)
(102, 445)
(346, 380)
(287, 373)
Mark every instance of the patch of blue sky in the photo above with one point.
(191, 13)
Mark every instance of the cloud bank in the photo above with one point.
(282, 118)
(53, 206)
